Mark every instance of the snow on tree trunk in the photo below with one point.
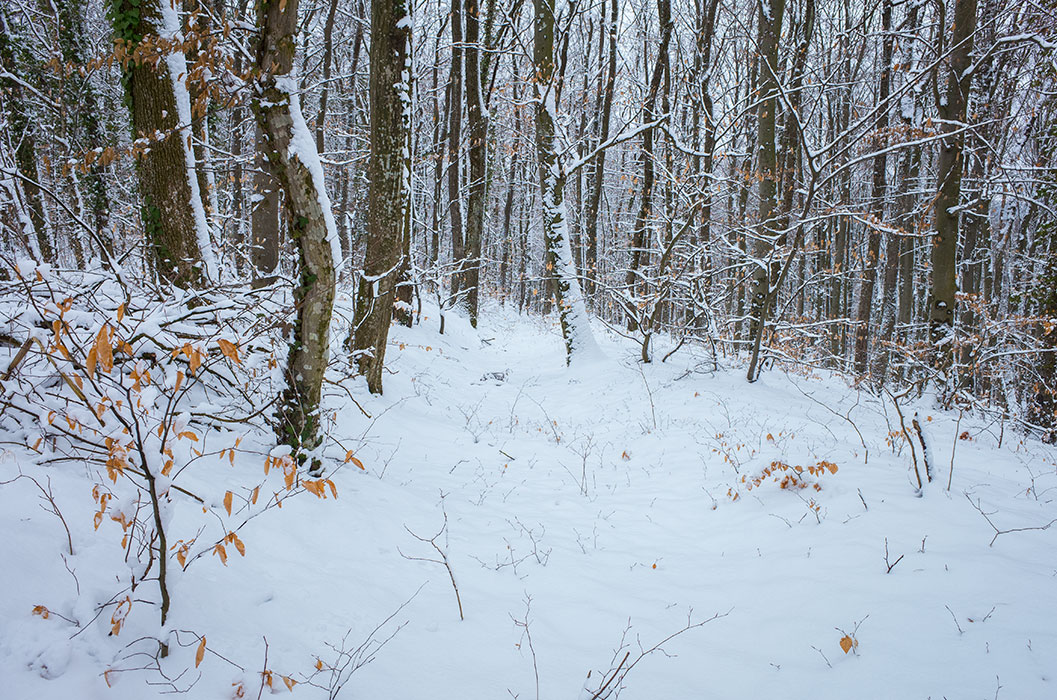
(172, 213)
(572, 311)
(291, 150)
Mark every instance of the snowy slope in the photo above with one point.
(581, 505)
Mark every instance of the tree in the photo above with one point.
(477, 122)
(147, 41)
(291, 151)
(770, 30)
(25, 141)
(568, 297)
(952, 108)
(390, 185)
(598, 168)
(877, 202)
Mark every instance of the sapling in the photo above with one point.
(132, 387)
(442, 552)
(608, 684)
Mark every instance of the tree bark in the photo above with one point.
(291, 151)
(952, 112)
(265, 217)
(572, 311)
(389, 174)
(770, 31)
(477, 123)
(172, 213)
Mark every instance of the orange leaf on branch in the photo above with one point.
(200, 652)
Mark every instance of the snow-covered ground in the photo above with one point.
(583, 506)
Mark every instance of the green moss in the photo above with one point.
(124, 16)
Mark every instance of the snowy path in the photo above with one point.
(566, 487)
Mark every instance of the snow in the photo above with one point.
(303, 148)
(577, 502)
(169, 28)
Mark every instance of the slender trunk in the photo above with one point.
(508, 209)
(640, 237)
(328, 59)
(458, 244)
(290, 149)
(390, 185)
(572, 312)
(477, 123)
(599, 165)
(24, 139)
(952, 112)
(880, 192)
(770, 31)
(72, 25)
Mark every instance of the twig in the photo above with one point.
(954, 447)
(924, 447)
(527, 634)
(1005, 532)
(264, 673)
(614, 679)
(846, 417)
(432, 541)
(906, 435)
(348, 661)
(49, 497)
(955, 618)
(649, 393)
(893, 564)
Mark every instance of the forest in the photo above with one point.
(643, 328)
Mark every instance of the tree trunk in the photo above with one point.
(172, 212)
(24, 138)
(390, 176)
(458, 243)
(770, 31)
(952, 112)
(880, 192)
(72, 26)
(292, 154)
(598, 168)
(477, 123)
(328, 59)
(572, 312)
(640, 237)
